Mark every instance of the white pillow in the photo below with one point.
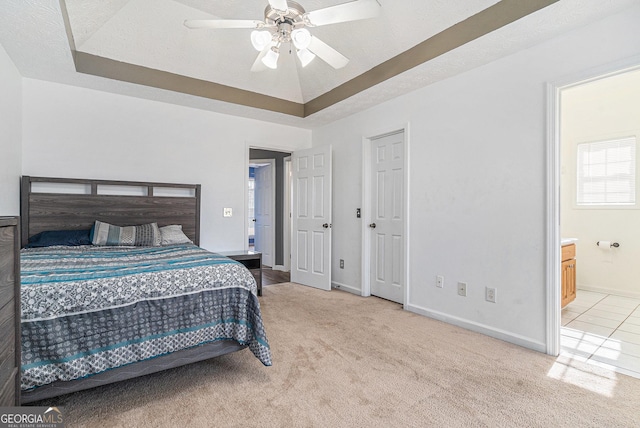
(173, 234)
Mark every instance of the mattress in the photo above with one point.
(87, 309)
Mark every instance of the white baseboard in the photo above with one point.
(631, 294)
(516, 339)
(279, 267)
(346, 287)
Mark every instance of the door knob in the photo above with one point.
(326, 225)
(372, 225)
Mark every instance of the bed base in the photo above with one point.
(130, 371)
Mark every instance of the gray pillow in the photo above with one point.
(144, 235)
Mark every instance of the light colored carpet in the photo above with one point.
(345, 361)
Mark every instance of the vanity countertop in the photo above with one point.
(568, 241)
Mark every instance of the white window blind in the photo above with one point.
(607, 172)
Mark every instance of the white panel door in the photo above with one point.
(264, 213)
(387, 209)
(311, 212)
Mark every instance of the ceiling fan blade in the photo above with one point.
(359, 9)
(328, 54)
(223, 23)
(258, 65)
(279, 5)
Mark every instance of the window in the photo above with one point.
(607, 172)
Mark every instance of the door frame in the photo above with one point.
(248, 145)
(553, 263)
(272, 202)
(286, 221)
(366, 205)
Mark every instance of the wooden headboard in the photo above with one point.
(71, 203)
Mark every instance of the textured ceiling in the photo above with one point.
(150, 33)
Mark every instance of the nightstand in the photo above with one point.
(252, 260)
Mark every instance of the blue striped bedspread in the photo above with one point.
(89, 309)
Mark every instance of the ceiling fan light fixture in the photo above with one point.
(305, 56)
(301, 38)
(285, 21)
(271, 58)
(260, 39)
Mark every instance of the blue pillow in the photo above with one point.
(70, 238)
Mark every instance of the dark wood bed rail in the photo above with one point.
(41, 211)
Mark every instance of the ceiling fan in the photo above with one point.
(285, 22)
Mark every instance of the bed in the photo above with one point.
(97, 314)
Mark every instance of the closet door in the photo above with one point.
(311, 212)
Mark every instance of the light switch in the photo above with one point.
(228, 212)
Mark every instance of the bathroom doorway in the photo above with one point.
(599, 132)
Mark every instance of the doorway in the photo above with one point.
(274, 202)
(599, 213)
(580, 340)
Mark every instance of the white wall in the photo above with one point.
(477, 177)
(77, 132)
(601, 110)
(10, 135)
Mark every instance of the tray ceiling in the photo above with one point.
(143, 49)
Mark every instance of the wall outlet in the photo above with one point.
(439, 281)
(490, 294)
(462, 289)
(341, 264)
(227, 212)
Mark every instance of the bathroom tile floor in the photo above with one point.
(603, 329)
